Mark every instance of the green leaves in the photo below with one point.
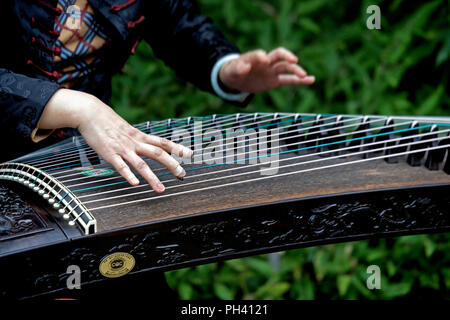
(444, 53)
(331, 272)
(223, 292)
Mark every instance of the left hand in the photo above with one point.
(258, 71)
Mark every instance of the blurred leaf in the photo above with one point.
(444, 53)
(432, 101)
(343, 283)
(309, 25)
(223, 292)
(186, 291)
(261, 265)
(394, 290)
(272, 290)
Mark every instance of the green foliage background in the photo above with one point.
(402, 69)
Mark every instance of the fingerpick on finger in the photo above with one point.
(185, 152)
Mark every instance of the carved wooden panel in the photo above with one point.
(16, 217)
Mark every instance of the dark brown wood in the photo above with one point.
(373, 175)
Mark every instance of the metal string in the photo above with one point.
(249, 145)
(75, 150)
(259, 170)
(337, 142)
(268, 177)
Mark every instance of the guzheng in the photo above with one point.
(257, 183)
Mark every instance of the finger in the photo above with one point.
(292, 80)
(257, 56)
(280, 54)
(144, 170)
(289, 68)
(121, 167)
(169, 146)
(162, 157)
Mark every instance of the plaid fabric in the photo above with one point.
(81, 36)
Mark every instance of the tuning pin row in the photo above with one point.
(293, 135)
(315, 134)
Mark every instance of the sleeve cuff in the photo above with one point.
(38, 135)
(215, 80)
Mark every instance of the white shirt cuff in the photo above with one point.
(215, 79)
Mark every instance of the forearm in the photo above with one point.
(67, 109)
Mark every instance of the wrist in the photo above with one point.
(67, 109)
(223, 90)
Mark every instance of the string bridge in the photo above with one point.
(53, 191)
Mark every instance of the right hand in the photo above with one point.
(116, 141)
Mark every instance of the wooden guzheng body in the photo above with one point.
(294, 180)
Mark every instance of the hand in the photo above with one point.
(257, 71)
(112, 137)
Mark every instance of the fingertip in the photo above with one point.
(133, 181)
(180, 172)
(186, 152)
(160, 188)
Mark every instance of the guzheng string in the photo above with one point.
(221, 123)
(319, 160)
(318, 139)
(41, 154)
(208, 123)
(265, 178)
(248, 145)
(257, 171)
(291, 137)
(93, 152)
(75, 150)
(50, 163)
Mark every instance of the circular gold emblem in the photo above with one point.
(116, 265)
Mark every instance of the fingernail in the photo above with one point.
(160, 187)
(134, 180)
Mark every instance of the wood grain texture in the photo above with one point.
(372, 175)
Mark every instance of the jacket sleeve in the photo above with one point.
(22, 101)
(185, 40)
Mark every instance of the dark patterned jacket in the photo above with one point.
(188, 43)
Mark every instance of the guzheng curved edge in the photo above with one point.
(62, 199)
